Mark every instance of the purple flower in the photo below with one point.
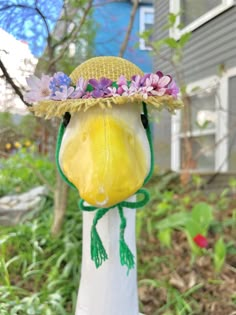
(39, 88)
(80, 89)
(173, 89)
(100, 87)
(59, 80)
(136, 81)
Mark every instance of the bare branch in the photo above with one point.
(129, 29)
(12, 83)
(74, 33)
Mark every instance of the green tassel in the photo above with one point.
(126, 256)
(98, 252)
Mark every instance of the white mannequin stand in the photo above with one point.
(108, 290)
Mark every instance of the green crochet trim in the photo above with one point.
(97, 250)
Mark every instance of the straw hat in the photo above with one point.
(103, 67)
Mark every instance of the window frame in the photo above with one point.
(143, 10)
(220, 131)
(175, 8)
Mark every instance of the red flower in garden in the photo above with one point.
(201, 241)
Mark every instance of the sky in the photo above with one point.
(23, 19)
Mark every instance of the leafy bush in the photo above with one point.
(24, 170)
(40, 274)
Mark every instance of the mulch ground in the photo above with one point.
(172, 275)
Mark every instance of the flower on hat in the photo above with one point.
(100, 87)
(58, 87)
(58, 81)
(39, 88)
(80, 89)
(63, 93)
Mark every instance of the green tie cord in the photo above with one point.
(97, 250)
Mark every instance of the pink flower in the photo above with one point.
(88, 95)
(200, 241)
(145, 91)
(39, 88)
(64, 93)
(122, 80)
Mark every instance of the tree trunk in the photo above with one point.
(60, 204)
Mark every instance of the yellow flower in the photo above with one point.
(17, 144)
(8, 146)
(27, 143)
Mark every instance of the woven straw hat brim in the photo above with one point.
(102, 67)
(49, 109)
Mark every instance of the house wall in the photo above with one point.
(213, 44)
(211, 47)
(112, 20)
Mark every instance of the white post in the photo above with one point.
(108, 290)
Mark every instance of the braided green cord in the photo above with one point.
(149, 136)
(86, 208)
(58, 147)
(137, 204)
(97, 250)
(126, 256)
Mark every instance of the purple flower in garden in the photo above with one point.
(100, 87)
(59, 80)
(39, 88)
(64, 93)
(80, 89)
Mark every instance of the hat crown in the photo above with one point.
(105, 67)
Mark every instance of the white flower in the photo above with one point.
(113, 91)
(128, 91)
(63, 94)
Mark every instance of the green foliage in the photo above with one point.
(19, 172)
(219, 254)
(40, 274)
(171, 210)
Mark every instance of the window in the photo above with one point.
(232, 122)
(146, 23)
(206, 130)
(195, 13)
